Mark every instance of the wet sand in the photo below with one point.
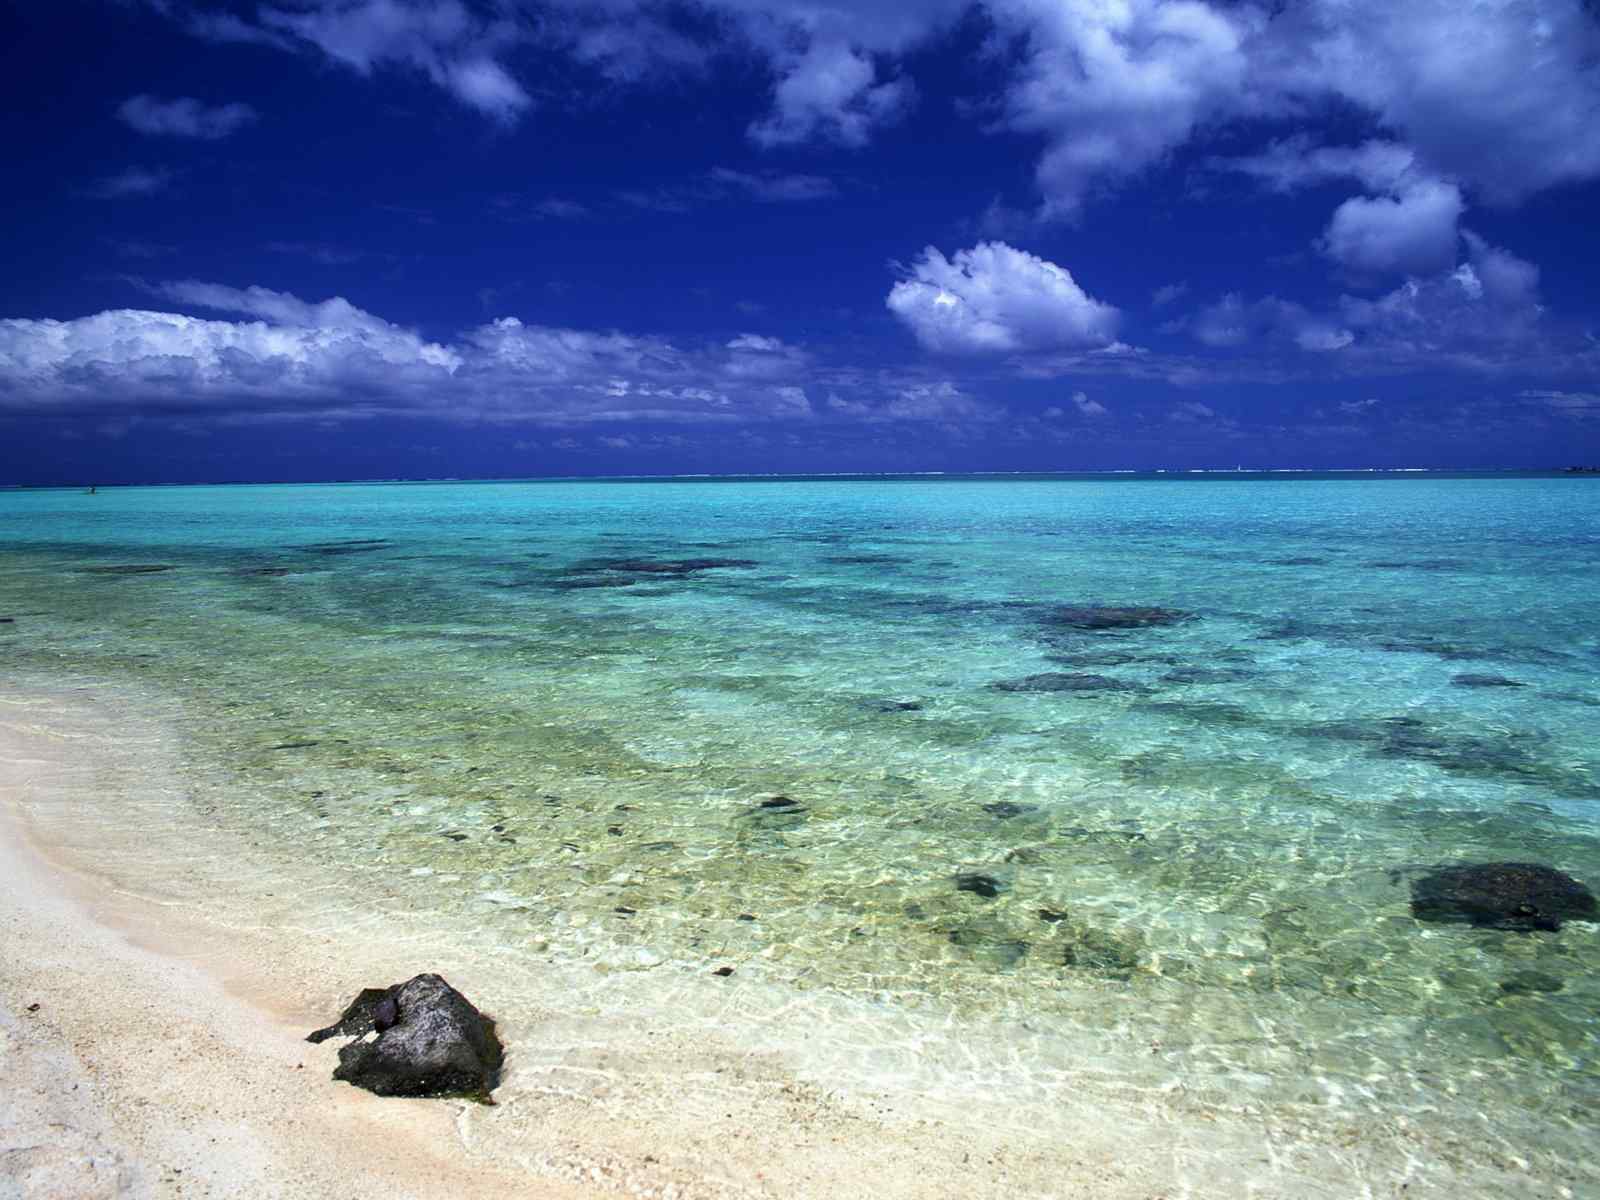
(166, 1056)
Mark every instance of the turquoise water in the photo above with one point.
(756, 723)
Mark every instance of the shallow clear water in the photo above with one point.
(532, 704)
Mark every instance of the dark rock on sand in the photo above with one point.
(431, 1042)
(8, 620)
(128, 569)
(866, 560)
(986, 886)
(1062, 681)
(1005, 809)
(780, 802)
(1486, 681)
(1104, 617)
(893, 706)
(1516, 896)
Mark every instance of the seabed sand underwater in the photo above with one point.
(1016, 904)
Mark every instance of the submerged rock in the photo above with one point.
(892, 706)
(674, 566)
(1516, 896)
(1486, 681)
(128, 569)
(349, 546)
(1208, 675)
(1101, 617)
(430, 1042)
(1527, 983)
(1115, 954)
(1063, 681)
(1005, 809)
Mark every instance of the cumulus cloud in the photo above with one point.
(995, 299)
(184, 117)
(1413, 233)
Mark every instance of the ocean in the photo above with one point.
(997, 785)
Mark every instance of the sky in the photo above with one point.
(354, 239)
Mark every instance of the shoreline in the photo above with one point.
(166, 1057)
(143, 1058)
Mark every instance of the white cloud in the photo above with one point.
(555, 208)
(993, 299)
(184, 117)
(1232, 321)
(1192, 412)
(1491, 299)
(751, 356)
(1114, 87)
(1167, 293)
(1086, 406)
(1297, 162)
(1481, 314)
(942, 401)
(831, 93)
(1578, 405)
(774, 187)
(1413, 233)
(1499, 97)
(456, 49)
(132, 181)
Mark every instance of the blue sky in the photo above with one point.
(379, 238)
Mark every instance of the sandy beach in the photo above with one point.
(153, 1047)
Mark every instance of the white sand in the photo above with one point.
(166, 1055)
